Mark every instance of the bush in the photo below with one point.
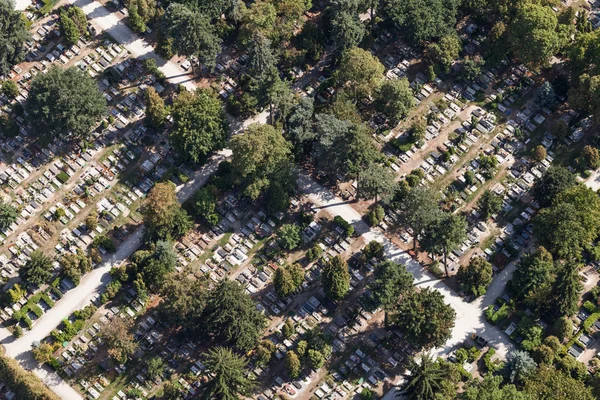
(345, 225)
(376, 215)
(18, 332)
(313, 253)
(498, 316)
(62, 177)
(589, 321)
(34, 308)
(590, 307)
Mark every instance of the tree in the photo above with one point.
(585, 95)
(548, 383)
(8, 215)
(346, 29)
(445, 51)
(591, 155)
(289, 236)
(283, 282)
(299, 122)
(471, 68)
(205, 204)
(141, 12)
(14, 35)
(391, 280)
(311, 39)
(64, 103)
(395, 98)
(155, 266)
(475, 277)
(10, 89)
(315, 359)
(335, 278)
(571, 223)
(536, 25)
(417, 210)
(68, 28)
(229, 374)
(91, 221)
(444, 236)
(539, 153)
(199, 125)
(184, 299)
(163, 216)
(288, 329)
(424, 318)
(118, 338)
(262, 157)
(422, 20)
(426, 378)
(520, 366)
(230, 316)
(360, 73)
(155, 367)
(567, 289)
(261, 73)
(563, 328)
(156, 111)
(489, 204)
(292, 365)
(192, 33)
(560, 130)
(37, 270)
(555, 180)
(545, 96)
(264, 352)
(43, 353)
(491, 388)
(374, 181)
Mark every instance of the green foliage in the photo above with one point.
(262, 158)
(23, 384)
(374, 181)
(424, 318)
(105, 242)
(391, 280)
(489, 204)
(417, 210)
(373, 249)
(549, 383)
(204, 204)
(14, 35)
(155, 266)
(475, 277)
(498, 316)
(335, 278)
(229, 374)
(164, 218)
(556, 180)
(315, 359)
(289, 236)
(536, 25)
(444, 51)
(141, 12)
(37, 269)
(292, 365)
(199, 125)
(156, 111)
(444, 235)
(395, 98)
(192, 34)
(314, 253)
(345, 225)
(10, 89)
(360, 73)
(347, 30)
(8, 215)
(64, 102)
(230, 316)
(520, 366)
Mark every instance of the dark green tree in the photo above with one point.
(64, 103)
(395, 98)
(14, 35)
(156, 111)
(426, 378)
(444, 235)
(491, 388)
(37, 270)
(335, 278)
(567, 289)
(8, 215)
(375, 181)
(417, 210)
(489, 204)
(391, 280)
(475, 277)
(424, 318)
(229, 377)
(199, 124)
(554, 181)
(289, 236)
(230, 316)
(534, 24)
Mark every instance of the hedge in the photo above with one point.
(62, 177)
(590, 307)
(589, 321)
(25, 385)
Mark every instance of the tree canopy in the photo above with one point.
(336, 278)
(535, 25)
(475, 277)
(391, 280)
(229, 379)
(163, 216)
(360, 73)
(64, 103)
(14, 35)
(199, 125)
(37, 270)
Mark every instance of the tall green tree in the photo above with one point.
(422, 20)
(491, 388)
(64, 103)
(520, 366)
(14, 35)
(37, 270)
(68, 28)
(375, 181)
(567, 289)
(444, 235)
(424, 318)
(163, 216)
(199, 124)
(192, 34)
(533, 279)
(444, 51)
(391, 280)
(184, 299)
(8, 215)
(347, 30)
(261, 158)
(395, 98)
(156, 111)
(229, 378)
(262, 74)
(360, 73)
(555, 180)
(289, 236)
(155, 267)
(489, 204)
(548, 383)
(426, 378)
(417, 210)
(475, 277)
(231, 317)
(336, 278)
(536, 25)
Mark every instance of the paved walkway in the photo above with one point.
(469, 316)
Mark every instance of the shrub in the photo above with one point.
(376, 215)
(345, 225)
(36, 310)
(590, 307)
(62, 177)
(18, 332)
